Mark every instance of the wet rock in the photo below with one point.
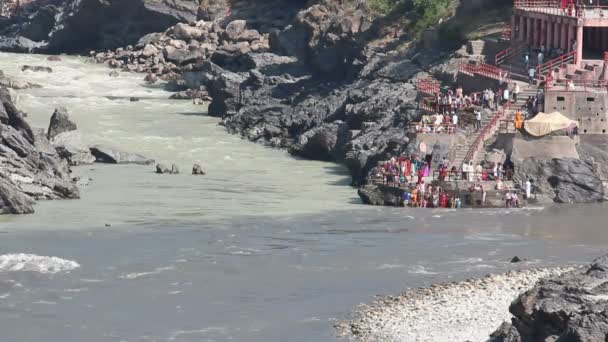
(151, 78)
(110, 155)
(380, 195)
(60, 123)
(326, 142)
(515, 259)
(113, 74)
(36, 68)
(197, 170)
(134, 99)
(54, 59)
(70, 146)
(162, 169)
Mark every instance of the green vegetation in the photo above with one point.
(420, 14)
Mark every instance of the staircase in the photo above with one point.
(473, 139)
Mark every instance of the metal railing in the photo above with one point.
(431, 128)
(559, 62)
(550, 7)
(428, 86)
(486, 70)
(429, 104)
(509, 52)
(485, 131)
(506, 32)
(477, 176)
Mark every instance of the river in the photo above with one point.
(265, 247)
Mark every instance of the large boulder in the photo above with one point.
(380, 195)
(71, 147)
(234, 29)
(326, 142)
(110, 155)
(564, 180)
(60, 123)
(186, 32)
(570, 307)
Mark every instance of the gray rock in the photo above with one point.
(110, 155)
(149, 50)
(113, 74)
(325, 142)
(36, 68)
(565, 180)
(162, 169)
(399, 71)
(16, 140)
(13, 200)
(60, 123)
(187, 32)
(197, 170)
(70, 146)
(570, 307)
(234, 29)
(380, 195)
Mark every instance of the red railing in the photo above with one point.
(428, 86)
(429, 104)
(559, 62)
(485, 131)
(549, 7)
(486, 70)
(506, 32)
(506, 54)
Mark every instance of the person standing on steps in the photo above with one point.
(531, 74)
(477, 119)
(527, 59)
(540, 58)
(516, 91)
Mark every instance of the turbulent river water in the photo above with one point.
(265, 247)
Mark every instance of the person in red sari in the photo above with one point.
(444, 200)
(420, 175)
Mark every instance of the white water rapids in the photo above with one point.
(243, 178)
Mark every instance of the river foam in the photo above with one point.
(22, 262)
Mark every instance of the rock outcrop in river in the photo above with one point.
(571, 307)
(30, 168)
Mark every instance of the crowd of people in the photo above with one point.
(450, 104)
(411, 174)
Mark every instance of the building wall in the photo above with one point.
(589, 109)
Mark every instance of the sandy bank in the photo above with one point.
(462, 311)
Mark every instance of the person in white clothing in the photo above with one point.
(471, 169)
(528, 189)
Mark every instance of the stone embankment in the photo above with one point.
(462, 311)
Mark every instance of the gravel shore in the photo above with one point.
(461, 311)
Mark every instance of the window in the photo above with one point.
(590, 99)
(561, 98)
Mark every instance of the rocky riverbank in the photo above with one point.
(30, 167)
(568, 307)
(463, 311)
